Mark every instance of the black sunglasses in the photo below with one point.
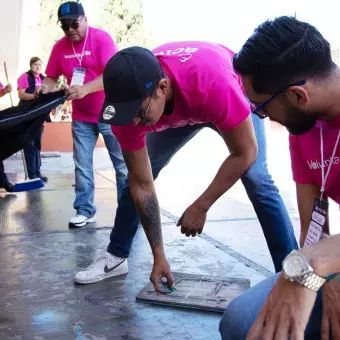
(66, 25)
(261, 111)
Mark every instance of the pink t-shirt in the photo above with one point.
(206, 90)
(23, 82)
(305, 153)
(98, 50)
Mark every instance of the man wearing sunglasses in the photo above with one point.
(81, 56)
(157, 101)
(288, 73)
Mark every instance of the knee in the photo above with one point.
(233, 325)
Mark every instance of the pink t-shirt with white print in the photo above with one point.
(98, 50)
(305, 153)
(206, 90)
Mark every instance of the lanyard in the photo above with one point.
(324, 178)
(82, 53)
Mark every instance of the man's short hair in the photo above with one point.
(33, 60)
(283, 51)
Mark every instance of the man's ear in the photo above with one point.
(297, 96)
(163, 84)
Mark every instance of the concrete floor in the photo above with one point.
(40, 255)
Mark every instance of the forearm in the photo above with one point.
(50, 83)
(229, 173)
(26, 96)
(146, 203)
(94, 85)
(2, 92)
(324, 256)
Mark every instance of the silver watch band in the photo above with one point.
(312, 281)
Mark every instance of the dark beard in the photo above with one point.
(301, 125)
(169, 107)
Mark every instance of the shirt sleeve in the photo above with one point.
(299, 167)
(23, 82)
(106, 48)
(1, 86)
(130, 138)
(53, 69)
(226, 103)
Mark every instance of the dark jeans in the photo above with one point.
(261, 190)
(3, 177)
(32, 155)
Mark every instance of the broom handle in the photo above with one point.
(22, 151)
(10, 94)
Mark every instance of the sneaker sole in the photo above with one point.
(82, 224)
(118, 272)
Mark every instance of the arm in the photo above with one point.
(94, 85)
(242, 144)
(49, 83)
(144, 196)
(25, 96)
(5, 90)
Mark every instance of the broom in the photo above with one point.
(31, 184)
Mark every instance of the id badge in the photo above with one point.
(78, 77)
(318, 222)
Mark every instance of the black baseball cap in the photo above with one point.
(129, 77)
(70, 10)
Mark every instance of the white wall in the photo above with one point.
(9, 42)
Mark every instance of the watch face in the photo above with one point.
(294, 265)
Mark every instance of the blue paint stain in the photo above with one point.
(77, 331)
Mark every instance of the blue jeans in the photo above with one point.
(242, 312)
(261, 190)
(85, 137)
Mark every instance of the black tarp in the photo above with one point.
(20, 124)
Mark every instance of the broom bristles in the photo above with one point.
(32, 184)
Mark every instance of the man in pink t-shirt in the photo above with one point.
(156, 102)
(28, 82)
(81, 57)
(289, 75)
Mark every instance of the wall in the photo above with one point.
(9, 42)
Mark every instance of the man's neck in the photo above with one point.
(170, 100)
(330, 96)
(35, 74)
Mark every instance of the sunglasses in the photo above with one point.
(66, 25)
(142, 114)
(261, 111)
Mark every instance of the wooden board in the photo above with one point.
(201, 292)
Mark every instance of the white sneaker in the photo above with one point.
(81, 220)
(105, 266)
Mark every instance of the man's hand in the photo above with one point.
(161, 269)
(192, 221)
(76, 92)
(8, 88)
(331, 309)
(285, 314)
(41, 89)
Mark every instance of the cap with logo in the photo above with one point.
(70, 10)
(129, 77)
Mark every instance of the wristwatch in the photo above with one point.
(296, 268)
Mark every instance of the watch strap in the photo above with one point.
(312, 281)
